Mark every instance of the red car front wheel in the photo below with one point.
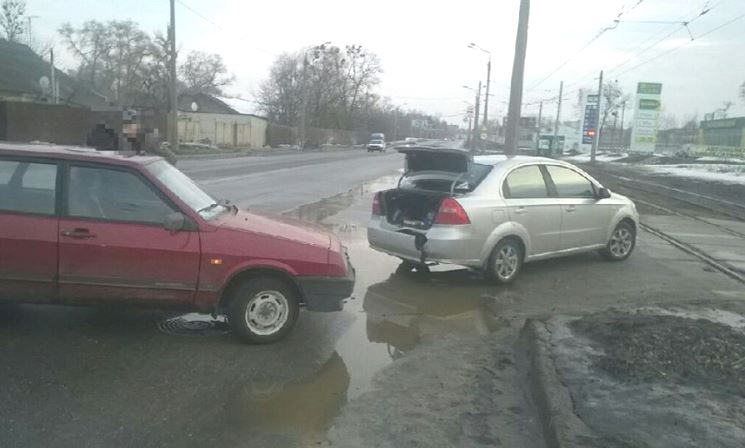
(263, 310)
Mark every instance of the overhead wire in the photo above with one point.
(673, 49)
(213, 23)
(602, 31)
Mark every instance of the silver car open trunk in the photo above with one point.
(431, 174)
(411, 208)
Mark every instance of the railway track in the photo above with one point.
(658, 196)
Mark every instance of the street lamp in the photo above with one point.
(473, 46)
(477, 102)
(395, 121)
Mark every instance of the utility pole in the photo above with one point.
(53, 78)
(395, 123)
(623, 131)
(28, 29)
(173, 132)
(538, 134)
(558, 117)
(468, 134)
(516, 85)
(476, 136)
(486, 100)
(596, 140)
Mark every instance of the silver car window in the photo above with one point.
(569, 183)
(525, 183)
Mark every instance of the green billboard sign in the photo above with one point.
(652, 88)
(647, 104)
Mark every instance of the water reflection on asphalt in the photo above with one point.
(306, 406)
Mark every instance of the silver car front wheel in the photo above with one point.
(621, 243)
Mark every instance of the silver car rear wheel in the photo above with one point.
(506, 261)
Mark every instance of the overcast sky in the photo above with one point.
(423, 44)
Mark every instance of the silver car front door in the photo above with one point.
(529, 206)
(584, 218)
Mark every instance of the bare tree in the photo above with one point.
(668, 121)
(613, 98)
(280, 96)
(335, 85)
(113, 57)
(691, 122)
(157, 75)
(204, 73)
(12, 14)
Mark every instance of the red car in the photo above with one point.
(79, 226)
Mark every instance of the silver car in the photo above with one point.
(495, 213)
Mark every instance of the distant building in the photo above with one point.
(208, 119)
(721, 137)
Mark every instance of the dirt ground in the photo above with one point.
(640, 347)
(455, 390)
(655, 377)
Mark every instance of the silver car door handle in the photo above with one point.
(571, 208)
(521, 210)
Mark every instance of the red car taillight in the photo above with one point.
(377, 208)
(451, 213)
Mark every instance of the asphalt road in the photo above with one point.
(410, 360)
(279, 183)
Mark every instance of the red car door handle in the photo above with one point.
(78, 233)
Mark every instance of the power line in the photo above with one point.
(211, 22)
(682, 24)
(665, 53)
(616, 21)
(199, 14)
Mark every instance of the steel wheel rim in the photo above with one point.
(621, 242)
(506, 262)
(267, 312)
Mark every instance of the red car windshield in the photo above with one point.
(186, 189)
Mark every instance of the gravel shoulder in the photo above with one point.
(455, 390)
(654, 377)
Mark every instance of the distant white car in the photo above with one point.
(376, 145)
(494, 213)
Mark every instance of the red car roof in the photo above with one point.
(70, 152)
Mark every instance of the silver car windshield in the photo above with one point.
(186, 189)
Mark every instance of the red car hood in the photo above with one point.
(275, 225)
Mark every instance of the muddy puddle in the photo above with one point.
(391, 313)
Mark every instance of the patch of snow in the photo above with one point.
(600, 157)
(491, 159)
(720, 159)
(723, 173)
(240, 105)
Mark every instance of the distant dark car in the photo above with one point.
(81, 226)
(376, 145)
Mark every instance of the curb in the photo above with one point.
(261, 152)
(561, 426)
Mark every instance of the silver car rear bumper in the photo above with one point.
(442, 244)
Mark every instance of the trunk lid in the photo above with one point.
(424, 158)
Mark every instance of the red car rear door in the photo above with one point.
(28, 229)
(113, 244)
